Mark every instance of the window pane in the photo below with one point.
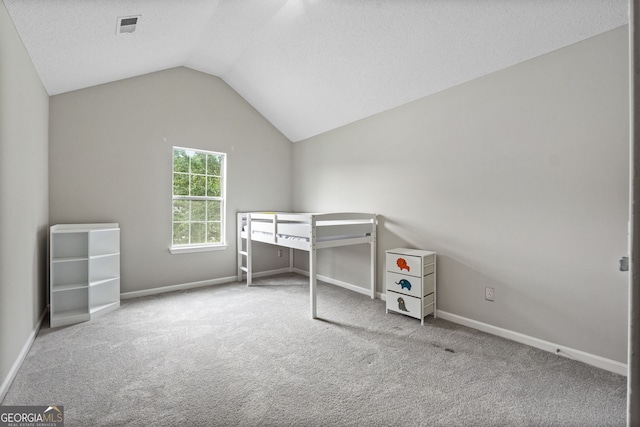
(213, 186)
(180, 233)
(213, 164)
(180, 161)
(199, 163)
(198, 232)
(198, 190)
(198, 210)
(181, 210)
(198, 184)
(180, 184)
(213, 210)
(213, 232)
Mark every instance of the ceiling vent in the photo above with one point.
(127, 24)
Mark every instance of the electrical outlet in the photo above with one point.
(488, 294)
(279, 253)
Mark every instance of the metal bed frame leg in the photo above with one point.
(247, 252)
(290, 260)
(373, 258)
(249, 257)
(313, 283)
(239, 245)
(312, 270)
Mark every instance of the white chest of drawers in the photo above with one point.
(410, 282)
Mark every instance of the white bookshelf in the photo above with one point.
(84, 272)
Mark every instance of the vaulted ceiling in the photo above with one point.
(308, 66)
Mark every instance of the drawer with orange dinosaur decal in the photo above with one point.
(411, 262)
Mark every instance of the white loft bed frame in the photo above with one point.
(308, 232)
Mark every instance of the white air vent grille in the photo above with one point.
(127, 24)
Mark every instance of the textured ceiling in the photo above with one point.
(308, 66)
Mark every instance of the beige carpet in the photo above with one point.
(230, 355)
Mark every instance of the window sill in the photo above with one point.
(190, 249)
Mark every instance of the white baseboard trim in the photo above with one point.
(560, 350)
(181, 287)
(6, 383)
(349, 286)
(199, 284)
(268, 273)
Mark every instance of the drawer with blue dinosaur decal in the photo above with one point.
(410, 285)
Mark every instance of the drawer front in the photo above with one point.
(404, 304)
(427, 305)
(428, 309)
(408, 285)
(404, 264)
(428, 300)
(429, 259)
(429, 284)
(429, 269)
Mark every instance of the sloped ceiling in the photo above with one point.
(308, 66)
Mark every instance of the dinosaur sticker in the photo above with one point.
(404, 283)
(401, 305)
(402, 264)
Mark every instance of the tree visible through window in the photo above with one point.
(198, 197)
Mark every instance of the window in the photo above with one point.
(198, 200)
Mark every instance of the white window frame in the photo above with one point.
(201, 247)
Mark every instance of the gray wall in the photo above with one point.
(111, 148)
(519, 180)
(24, 116)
